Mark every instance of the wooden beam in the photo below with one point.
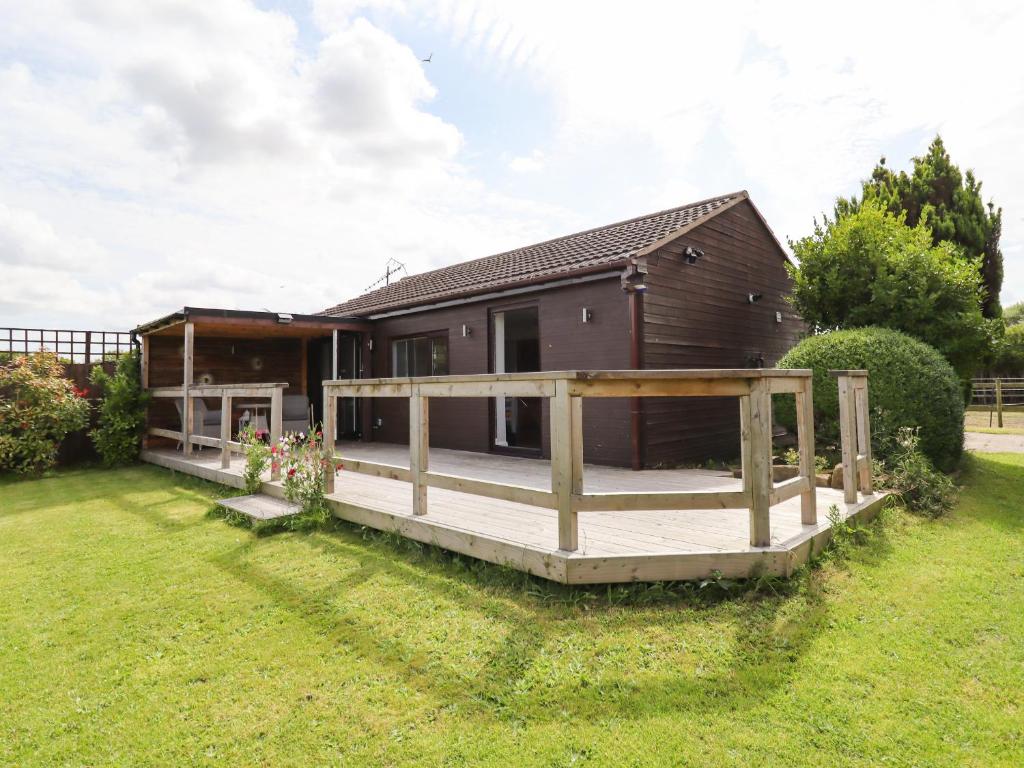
(760, 401)
(334, 354)
(805, 444)
(373, 468)
(659, 500)
(276, 421)
(330, 421)
(144, 384)
(563, 477)
(790, 488)
(304, 365)
(847, 436)
(225, 430)
(641, 387)
(745, 441)
(187, 427)
(419, 450)
(520, 494)
(173, 434)
(863, 436)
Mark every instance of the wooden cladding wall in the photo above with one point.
(228, 361)
(699, 316)
(566, 343)
(221, 361)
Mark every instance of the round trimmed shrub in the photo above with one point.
(910, 384)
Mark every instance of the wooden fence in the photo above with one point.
(566, 390)
(997, 395)
(79, 352)
(85, 347)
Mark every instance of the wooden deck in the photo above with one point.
(614, 546)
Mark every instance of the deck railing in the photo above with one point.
(226, 392)
(566, 390)
(854, 433)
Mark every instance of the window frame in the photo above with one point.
(436, 338)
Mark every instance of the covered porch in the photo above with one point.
(237, 367)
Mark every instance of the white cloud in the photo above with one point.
(528, 163)
(204, 153)
(215, 162)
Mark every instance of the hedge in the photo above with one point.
(910, 384)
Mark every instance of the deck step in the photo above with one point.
(261, 507)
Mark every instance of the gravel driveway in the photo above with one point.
(985, 443)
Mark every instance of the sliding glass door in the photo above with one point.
(515, 348)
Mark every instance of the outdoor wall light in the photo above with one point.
(588, 315)
(466, 331)
(692, 254)
(752, 297)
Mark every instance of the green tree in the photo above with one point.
(949, 203)
(1014, 314)
(869, 268)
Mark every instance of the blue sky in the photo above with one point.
(276, 154)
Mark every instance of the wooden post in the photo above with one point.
(187, 426)
(760, 406)
(330, 404)
(863, 435)
(304, 365)
(419, 448)
(88, 348)
(847, 430)
(745, 440)
(144, 383)
(999, 402)
(276, 407)
(566, 469)
(225, 430)
(334, 355)
(805, 442)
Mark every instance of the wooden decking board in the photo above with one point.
(614, 546)
(259, 506)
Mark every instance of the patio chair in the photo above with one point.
(295, 414)
(204, 421)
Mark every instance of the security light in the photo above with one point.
(692, 254)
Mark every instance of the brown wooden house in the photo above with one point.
(699, 286)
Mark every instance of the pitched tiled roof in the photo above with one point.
(609, 246)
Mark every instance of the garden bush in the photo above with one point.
(39, 407)
(910, 385)
(118, 436)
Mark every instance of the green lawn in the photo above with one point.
(136, 629)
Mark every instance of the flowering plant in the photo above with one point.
(38, 408)
(303, 460)
(257, 456)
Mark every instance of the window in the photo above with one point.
(420, 356)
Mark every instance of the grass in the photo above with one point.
(137, 629)
(978, 421)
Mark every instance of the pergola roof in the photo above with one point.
(237, 323)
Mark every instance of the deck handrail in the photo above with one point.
(854, 433)
(566, 390)
(226, 392)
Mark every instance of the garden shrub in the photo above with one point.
(39, 407)
(118, 436)
(910, 385)
(257, 457)
(921, 489)
(303, 459)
